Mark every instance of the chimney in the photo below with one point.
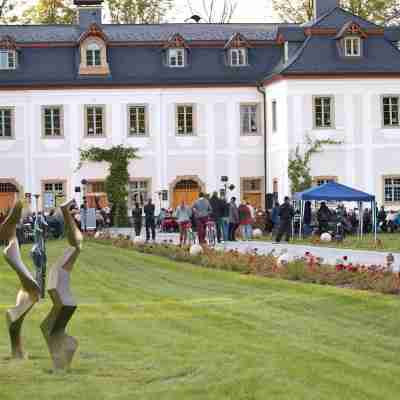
(322, 7)
(89, 12)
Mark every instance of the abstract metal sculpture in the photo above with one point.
(61, 346)
(38, 252)
(29, 294)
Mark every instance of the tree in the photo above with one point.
(117, 180)
(299, 170)
(50, 12)
(138, 11)
(210, 12)
(378, 11)
(7, 11)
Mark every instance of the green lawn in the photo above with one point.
(152, 329)
(386, 242)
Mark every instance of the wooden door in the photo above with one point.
(254, 199)
(7, 200)
(186, 190)
(96, 200)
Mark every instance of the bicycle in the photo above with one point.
(211, 233)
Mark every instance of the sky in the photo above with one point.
(247, 10)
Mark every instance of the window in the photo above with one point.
(390, 109)
(6, 123)
(252, 191)
(96, 187)
(139, 192)
(323, 112)
(252, 185)
(53, 194)
(322, 180)
(95, 121)
(352, 46)
(392, 189)
(238, 57)
(274, 116)
(176, 57)
(8, 59)
(398, 44)
(7, 187)
(184, 116)
(52, 121)
(93, 55)
(137, 121)
(249, 119)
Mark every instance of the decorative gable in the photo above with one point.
(8, 43)
(94, 30)
(176, 41)
(351, 29)
(237, 41)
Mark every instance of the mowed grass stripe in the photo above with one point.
(150, 328)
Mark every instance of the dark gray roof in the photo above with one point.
(336, 18)
(392, 33)
(319, 55)
(162, 32)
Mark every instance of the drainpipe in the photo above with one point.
(261, 89)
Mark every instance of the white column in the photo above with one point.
(233, 132)
(73, 129)
(30, 183)
(211, 172)
(368, 129)
(349, 126)
(116, 125)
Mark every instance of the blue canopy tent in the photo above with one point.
(333, 191)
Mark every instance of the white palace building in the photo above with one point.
(199, 101)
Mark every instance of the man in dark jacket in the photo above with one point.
(286, 214)
(217, 206)
(149, 209)
(137, 219)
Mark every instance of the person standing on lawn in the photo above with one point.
(286, 214)
(201, 210)
(217, 206)
(183, 214)
(245, 221)
(149, 210)
(275, 217)
(137, 219)
(233, 219)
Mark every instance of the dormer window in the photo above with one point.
(93, 55)
(352, 46)
(8, 59)
(176, 58)
(238, 57)
(93, 52)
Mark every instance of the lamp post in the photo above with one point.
(83, 210)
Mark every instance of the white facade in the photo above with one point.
(216, 149)
(369, 151)
(367, 155)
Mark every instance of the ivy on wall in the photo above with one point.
(116, 183)
(299, 169)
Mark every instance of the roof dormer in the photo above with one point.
(350, 39)
(237, 50)
(93, 52)
(176, 50)
(8, 53)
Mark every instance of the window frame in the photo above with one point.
(15, 58)
(326, 178)
(353, 39)
(238, 50)
(12, 123)
(393, 202)
(86, 121)
(258, 119)
(43, 111)
(185, 134)
(139, 190)
(391, 126)
(285, 52)
(53, 182)
(177, 50)
(332, 112)
(84, 68)
(146, 120)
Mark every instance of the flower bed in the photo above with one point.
(307, 269)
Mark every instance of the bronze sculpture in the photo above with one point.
(61, 346)
(28, 295)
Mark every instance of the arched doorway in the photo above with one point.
(8, 195)
(185, 189)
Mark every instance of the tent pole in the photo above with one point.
(375, 222)
(301, 219)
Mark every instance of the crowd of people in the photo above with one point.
(228, 217)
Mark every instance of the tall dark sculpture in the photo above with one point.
(61, 346)
(38, 252)
(28, 295)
